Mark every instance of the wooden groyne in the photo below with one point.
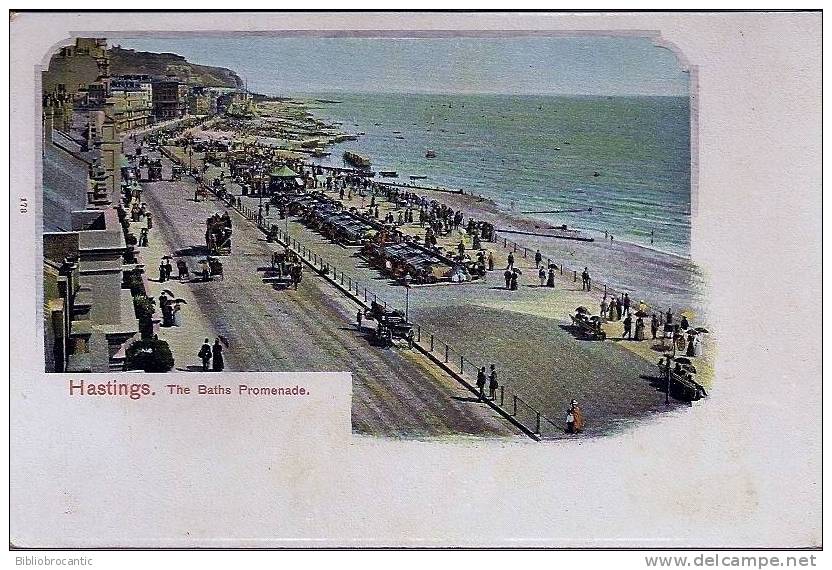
(559, 233)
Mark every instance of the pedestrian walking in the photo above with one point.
(182, 268)
(626, 304)
(513, 280)
(359, 316)
(490, 261)
(538, 258)
(163, 272)
(177, 315)
(507, 276)
(510, 261)
(654, 325)
(639, 328)
(492, 383)
(205, 355)
(574, 418)
(481, 382)
(585, 280)
(604, 307)
(219, 363)
(542, 276)
(628, 327)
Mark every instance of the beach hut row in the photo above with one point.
(408, 258)
(341, 226)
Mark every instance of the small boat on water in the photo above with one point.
(319, 152)
(397, 132)
(400, 137)
(417, 176)
(356, 159)
(430, 154)
(388, 173)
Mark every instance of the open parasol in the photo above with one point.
(167, 292)
(183, 301)
(167, 257)
(701, 330)
(683, 360)
(581, 310)
(641, 314)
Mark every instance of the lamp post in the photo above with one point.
(260, 197)
(407, 279)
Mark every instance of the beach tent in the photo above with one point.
(284, 172)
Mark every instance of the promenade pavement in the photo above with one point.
(395, 393)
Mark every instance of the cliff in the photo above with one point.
(127, 61)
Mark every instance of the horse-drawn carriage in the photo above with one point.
(587, 326)
(285, 268)
(680, 378)
(176, 172)
(391, 325)
(218, 234)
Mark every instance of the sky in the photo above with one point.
(586, 65)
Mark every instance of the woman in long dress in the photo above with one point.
(177, 315)
(218, 363)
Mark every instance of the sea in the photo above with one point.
(619, 165)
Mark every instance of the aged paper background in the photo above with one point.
(741, 470)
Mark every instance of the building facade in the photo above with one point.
(170, 99)
(132, 97)
(89, 317)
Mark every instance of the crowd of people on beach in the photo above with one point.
(438, 220)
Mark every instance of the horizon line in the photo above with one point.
(518, 94)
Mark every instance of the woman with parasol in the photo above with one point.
(691, 351)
